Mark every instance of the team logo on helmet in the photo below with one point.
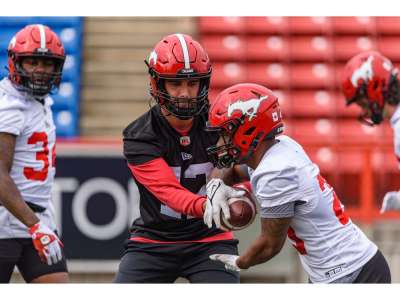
(248, 108)
(11, 45)
(153, 56)
(364, 72)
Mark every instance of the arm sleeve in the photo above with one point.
(138, 152)
(11, 121)
(278, 187)
(286, 210)
(160, 180)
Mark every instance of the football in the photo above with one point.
(243, 211)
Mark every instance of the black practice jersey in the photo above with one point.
(150, 137)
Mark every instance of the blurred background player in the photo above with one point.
(371, 81)
(166, 152)
(295, 199)
(28, 236)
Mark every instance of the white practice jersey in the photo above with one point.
(33, 166)
(330, 246)
(395, 123)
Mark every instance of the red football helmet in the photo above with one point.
(179, 56)
(35, 41)
(370, 80)
(244, 115)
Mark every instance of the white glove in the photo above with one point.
(218, 194)
(46, 243)
(391, 201)
(227, 259)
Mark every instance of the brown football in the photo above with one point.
(243, 211)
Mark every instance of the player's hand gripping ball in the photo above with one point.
(242, 210)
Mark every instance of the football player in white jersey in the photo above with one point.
(28, 237)
(295, 199)
(371, 81)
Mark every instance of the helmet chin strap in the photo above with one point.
(168, 113)
(28, 94)
(377, 118)
(165, 111)
(183, 118)
(256, 142)
(252, 148)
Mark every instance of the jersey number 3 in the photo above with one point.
(40, 175)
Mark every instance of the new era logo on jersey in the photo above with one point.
(184, 140)
(248, 107)
(186, 156)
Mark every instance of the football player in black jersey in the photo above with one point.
(166, 152)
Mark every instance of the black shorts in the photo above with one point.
(376, 270)
(164, 263)
(20, 252)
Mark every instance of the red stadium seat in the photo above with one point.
(388, 25)
(271, 48)
(312, 76)
(390, 47)
(354, 132)
(226, 74)
(353, 25)
(313, 104)
(339, 68)
(386, 160)
(317, 131)
(348, 182)
(273, 76)
(346, 165)
(351, 164)
(325, 157)
(288, 128)
(350, 161)
(221, 25)
(346, 47)
(310, 48)
(213, 93)
(224, 47)
(391, 175)
(309, 25)
(269, 25)
(343, 110)
(387, 131)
